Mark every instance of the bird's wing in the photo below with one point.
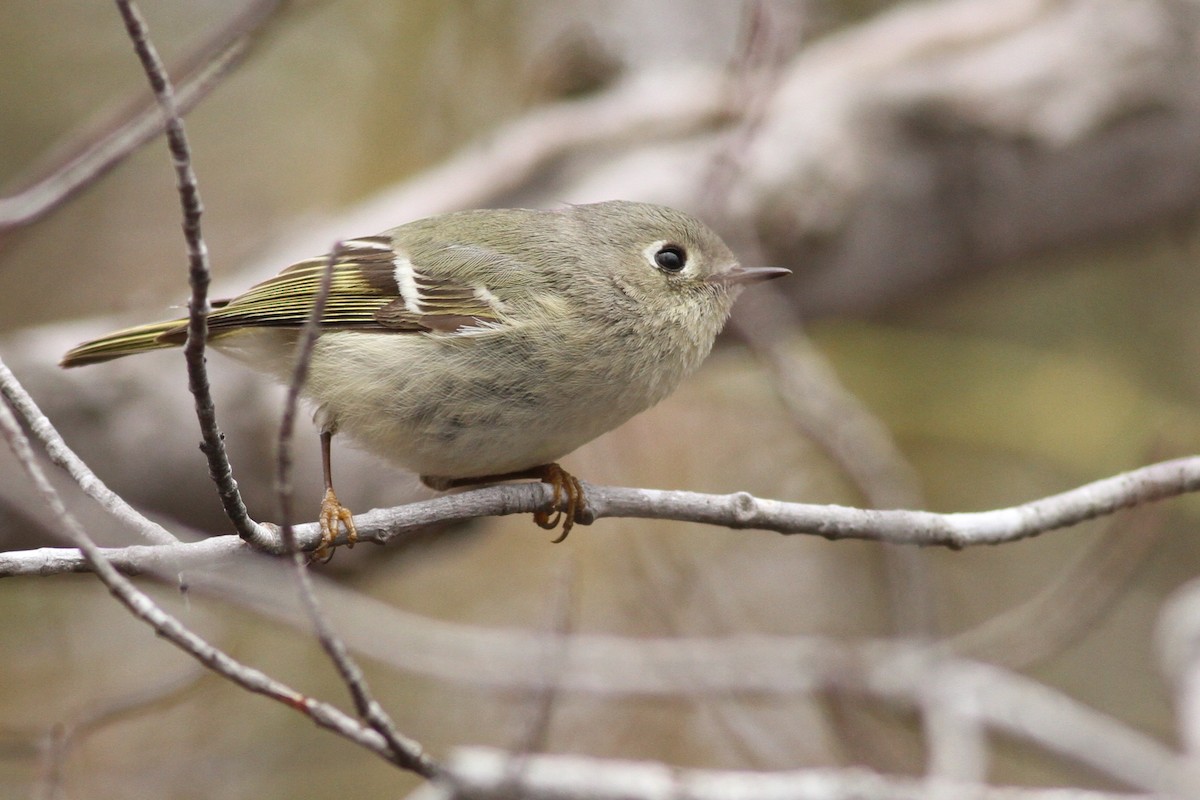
(375, 287)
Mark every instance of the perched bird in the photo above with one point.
(482, 346)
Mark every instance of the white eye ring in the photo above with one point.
(667, 256)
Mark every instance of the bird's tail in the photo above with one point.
(127, 342)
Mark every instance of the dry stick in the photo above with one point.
(170, 628)
(202, 72)
(406, 752)
(213, 445)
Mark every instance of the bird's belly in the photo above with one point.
(472, 418)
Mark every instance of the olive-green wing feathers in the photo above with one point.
(375, 288)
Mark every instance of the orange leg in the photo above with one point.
(333, 512)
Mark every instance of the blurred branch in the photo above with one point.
(97, 152)
(1069, 605)
(67, 735)
(481, 774)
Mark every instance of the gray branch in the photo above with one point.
(739, 510)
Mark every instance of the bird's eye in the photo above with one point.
(671, 258)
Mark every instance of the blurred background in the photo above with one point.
(989, 206)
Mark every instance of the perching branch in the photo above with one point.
(738, 511)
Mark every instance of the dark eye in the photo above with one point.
(671, 258)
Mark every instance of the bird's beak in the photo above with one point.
(737, 275)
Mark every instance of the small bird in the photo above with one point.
(482, 346)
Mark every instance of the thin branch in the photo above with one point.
(170, 628)
(740, 510)
(133, 560)
(202, 72)
(406, 752)
(213, 444)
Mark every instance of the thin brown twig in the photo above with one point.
(303, 359)
(406, 752)
(213, 445)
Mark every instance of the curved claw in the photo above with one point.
(333, 514)
(566, 509)
(567, 506)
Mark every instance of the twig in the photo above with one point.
(406, 752)
(202, 72)
(213, 445)
(171, 629)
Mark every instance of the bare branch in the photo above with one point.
(213, 444)
(740, 510)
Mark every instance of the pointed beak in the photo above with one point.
(737, 275)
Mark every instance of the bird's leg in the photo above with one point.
(567, 506)
(333, 512)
